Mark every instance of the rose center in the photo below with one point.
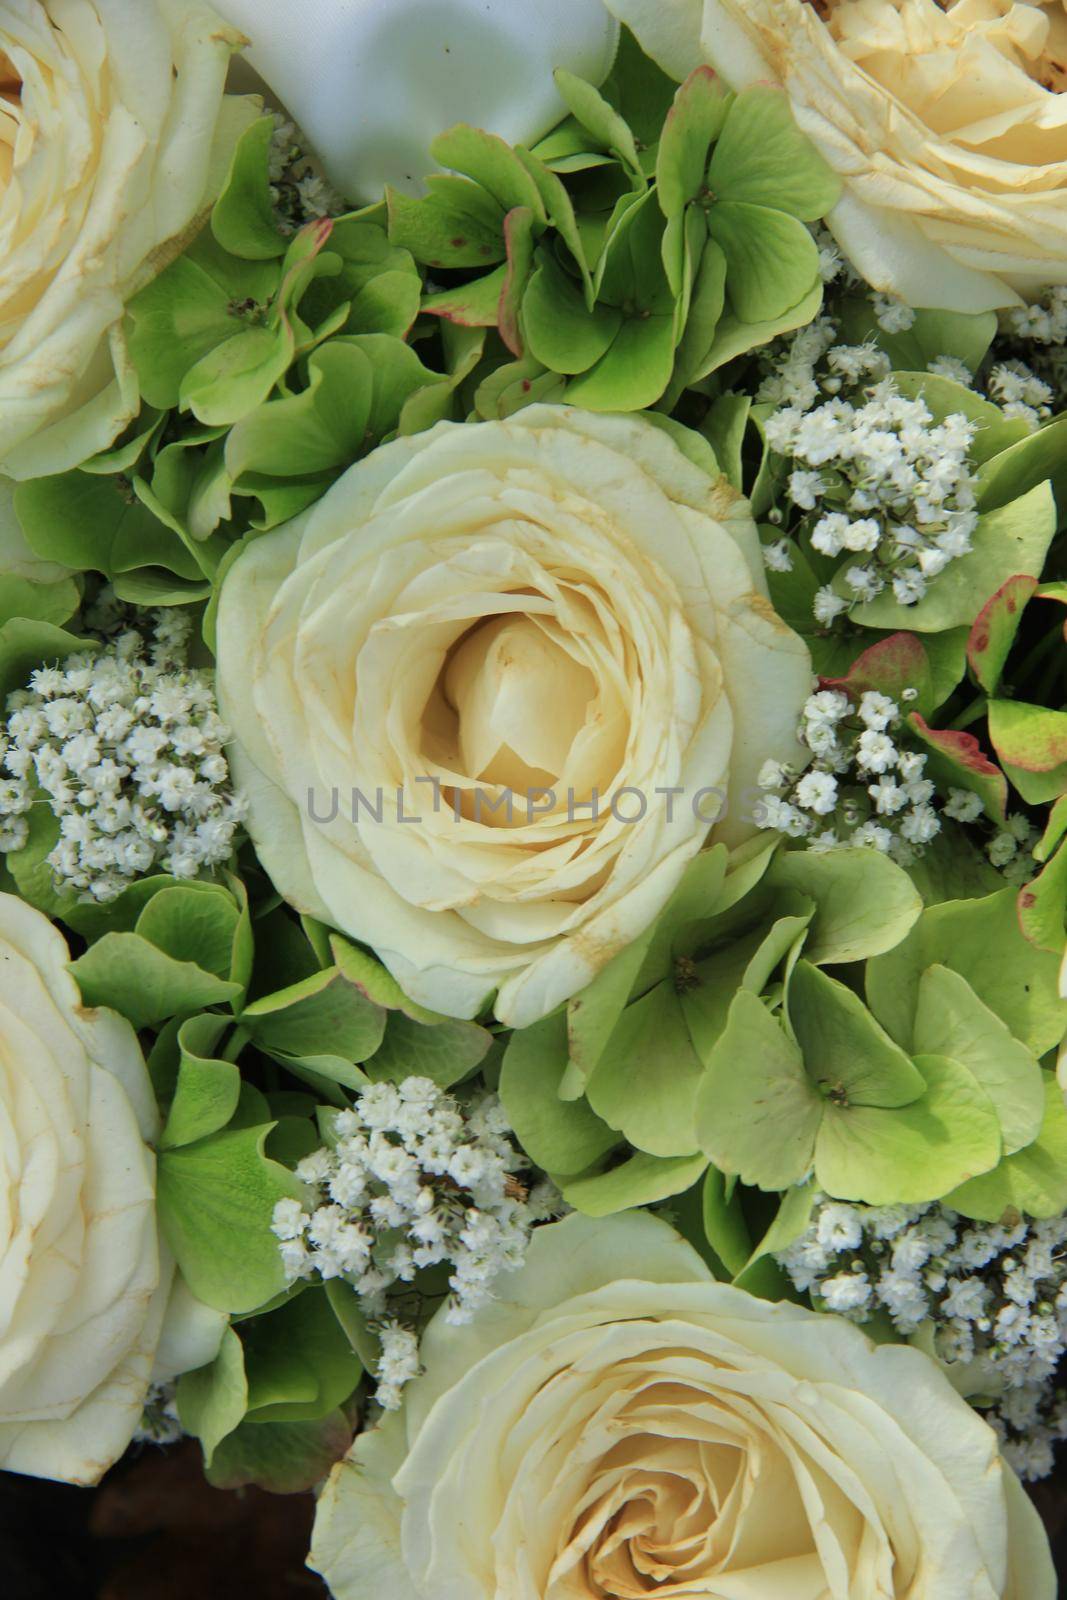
(520, 700)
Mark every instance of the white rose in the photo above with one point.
(112, 127)
(373, 84)
(558, 603)
(947, 122)
(83, 1293)
(621, 1424)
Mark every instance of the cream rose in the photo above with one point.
(83, 1293)
(948, 124)
(621, 1424)
(545, 613)
(112, 128)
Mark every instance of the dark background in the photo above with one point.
(154, 1530)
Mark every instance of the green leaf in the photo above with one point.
(282, 1457)
(1031, 460)
(762, 158)
(34, 878)
(193, 924)
(321, 1016)
(745, 963)
(561, 333)
(321, 428)
(950, 1020)
(724, 1222)
(243, 219)
(558, 1135)
(981, 940)
(207, 1090)
(212, 1400)
(693, 124)
(912, 1153)
(97, 524)
(445, 1051)
(125, 972)
(757, 1112)
(643, 1180)
(1009, 541)
(54, 603)
(865, 903)
(846, 1053)
(1033, 1181)
(1043, 902)
(601, 120)
(634, 373)
(771, 259)
(957, 759)
(645, 1082)
(1027, 736)
(993, 630)
(725, 426)
(894, 663)
(736, 336)
(216, 1199)
(457, 224)
(299, 1361)
(492, 164)
(237, 376)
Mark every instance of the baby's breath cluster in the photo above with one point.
(412, 1179)
(874, 475)
(992, 1296)
(861, 788)
(126, 748)
(864, 787)
(299, 191)
(1038, 333)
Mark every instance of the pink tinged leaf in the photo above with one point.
(957, 759)
(896, 663)
(993, 630)
(1041, 905)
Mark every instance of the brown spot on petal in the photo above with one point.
(10, 80)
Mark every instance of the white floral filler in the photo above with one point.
(863, 788)
(413, 1179)
(993, 1296)
(126, 748)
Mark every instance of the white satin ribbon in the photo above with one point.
(371, 82)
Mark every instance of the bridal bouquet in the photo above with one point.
(533, 814)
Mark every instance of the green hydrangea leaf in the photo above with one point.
(944, 397)
(435, 402)
(965, 335)
(321, 428)
(33, 877)
(643, 1180)
(600, 119)
(445, 1051)
(558, 1135)
(913, 1153)
(377, 280)
(457, 224)
(474, 305)
(193, 924)
(1043, 902)
(1009, 541)
(299, 1361)
(1055, 829)
(215, 1200)
(956, 759)
(763, 159)
(636, 370)
(97, 524)
(559, 209)
(890, 666)
(1030, 460)
(212, 1400)
(1037, 788)
(237, 376)
(759, 1123)
(950, 1020)
(725, 427)
(133, 443)
(981, 940)
(771, 259)
(639, 90)
(645, 1082)
(1033, 1181)
(865, 904)
(515, 385)
(1027, 736)
(324, 1015)
(848, 1055)
(561, 333)
(692, 126)
(724, 1222)
(761, 1275)
(746, 963)
(54, 603)
(131, 976)
(207, 1089)
(243, 217)
(202, 299)
(281, 1457)
(993, 630)
(490, 163)
(736, 335)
